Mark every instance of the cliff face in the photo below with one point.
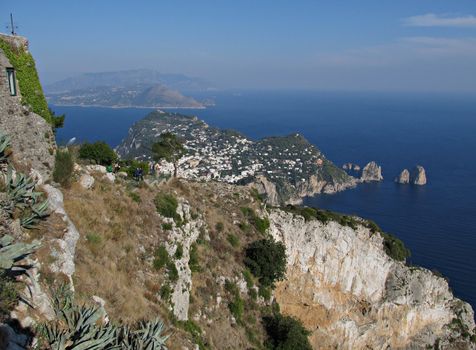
(352, 295)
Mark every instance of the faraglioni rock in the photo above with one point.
(418, 176)
(371, 172)
(351, 167)
(404, 177)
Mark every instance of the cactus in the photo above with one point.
(11, 253)
(4, 147)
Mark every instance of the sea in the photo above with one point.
(437, 222)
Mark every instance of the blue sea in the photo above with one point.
(437, 221)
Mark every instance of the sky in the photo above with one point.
(387, 45)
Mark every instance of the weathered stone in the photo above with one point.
(86, 181)
(110, 177)
(418, 176)
(404, 177)
(97, 168)
(371, 172)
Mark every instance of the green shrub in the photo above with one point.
(93, 238)
(266, 259)
(166, 226)
(264, 292)
(99, 152)
(165, 292)
(64, 167)
(261, 224)
(161, 258)
(286, 333)
(172, 271)
(130, 166)
(237, 308)
(9, 296)
(28, 80)
(219, 226)
(135, 197)
(195, 331)
(193, 261)
(166, 205)
(394, 247)
(179, 251)
(233, 240)
(248, 278)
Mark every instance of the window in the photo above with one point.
(11, 81)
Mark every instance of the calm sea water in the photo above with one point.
(437, 222)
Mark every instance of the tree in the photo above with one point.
(57, 121)
(266, 259)
(99, 152)
(286, 333)
(170, 148)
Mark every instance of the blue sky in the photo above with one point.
(404, 45)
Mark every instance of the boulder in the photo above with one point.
(404, 177)
(86, 181)
(110, 177)
(371, 172)
(418, 176)
(97, 168)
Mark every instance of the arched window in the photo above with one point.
(11, 81)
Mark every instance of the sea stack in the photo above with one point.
(371, 172)
(418, 176)
(404, 177)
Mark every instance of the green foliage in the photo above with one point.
(394, 247)
(165, 292)
(167, 226)
(248, 278)
(264, 292)
(219, 226)
(129, 166)
(261, 224)
(135, 197)
(11, 253)
(161, 258)
(166, 205)
(64, 166)
(266, 259)
(236, 305)
(233, 240)
(170, 148)
(94, 239)
(179, 251)
(9, 296)
(57, 121)
(172, 271)
(28, 81)
(256, 195)
(98, 152)
(195, 331)
(5, 147)
(193, 262)
(285, 333)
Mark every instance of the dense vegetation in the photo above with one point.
(261, 224)
(170, 148)
(98, 152)
(266, 259)
(285, 333)
(64, 166)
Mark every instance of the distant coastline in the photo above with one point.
(120, 107)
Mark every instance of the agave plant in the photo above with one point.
(4, 147)
(38, 212)
(11, 253)
(20, 189)
(148, 337)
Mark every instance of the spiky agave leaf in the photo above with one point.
(148, 337)
(11, 253)
(38, 212)
(4, 147)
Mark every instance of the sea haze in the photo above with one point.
(437, 221)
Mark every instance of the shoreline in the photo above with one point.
(121, 107)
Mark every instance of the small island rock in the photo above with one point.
(418, 176)
(404, 177)
(371, 172)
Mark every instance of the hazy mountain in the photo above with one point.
(126, 78)
(131, 88)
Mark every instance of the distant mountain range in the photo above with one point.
(131, 88)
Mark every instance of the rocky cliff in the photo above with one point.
(352, 295)
(371, 172)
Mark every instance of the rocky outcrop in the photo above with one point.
(418, 176)
(351, 295)
(31, 136)
(351, 167)
(404, 177)
(371, 172)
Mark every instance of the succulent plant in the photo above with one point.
(4, 147)
(38, 211)
(148, 337)
(11, 253)
(20, 189)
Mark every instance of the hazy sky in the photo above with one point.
(408, 45)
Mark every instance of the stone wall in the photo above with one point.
(32, 137)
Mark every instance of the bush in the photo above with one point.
(172, 271)
(179, 251)
(166, 226)
(237, 308)
(8, 296)
(165, 292)
(193, 261)
(166, 205)
(135, 197)
(131, 165)
(394, 247)
(219, 226)
(93, 239)
(162, 258)
(233, 240)
(99, 152)
(64, 166)
(266, 259)
(261, 224)
(286, 333)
